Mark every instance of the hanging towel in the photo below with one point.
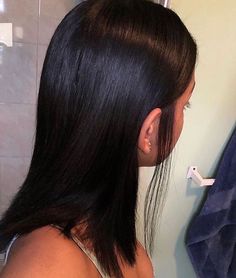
(211, 238)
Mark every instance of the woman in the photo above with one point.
(115, 81)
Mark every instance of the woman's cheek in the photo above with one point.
(178, 127)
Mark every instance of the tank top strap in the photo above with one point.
(89, 254)
(9, 248)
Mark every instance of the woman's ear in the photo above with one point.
(147, 142)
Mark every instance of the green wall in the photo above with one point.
(208, 125)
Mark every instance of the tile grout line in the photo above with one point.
(37, 50)
(28, 43)
(18, 103)
(15, 156)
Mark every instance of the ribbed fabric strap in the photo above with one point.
(9, 248)
(87, 252)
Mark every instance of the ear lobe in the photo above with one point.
(148, 129)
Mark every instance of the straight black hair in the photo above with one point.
(109, 63)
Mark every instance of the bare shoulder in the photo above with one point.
(45, 252)
(143, 262)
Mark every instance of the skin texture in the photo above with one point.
(50, 254)
(147, 155)
(57, 256)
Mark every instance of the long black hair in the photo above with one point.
(109, 63)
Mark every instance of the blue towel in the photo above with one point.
(211, 238)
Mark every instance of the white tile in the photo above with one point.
(47, 27)
(18, 73)
(57, 9)
(41, 55)
(17, 128)
(12, 174)
(51, 14)
(24, 16)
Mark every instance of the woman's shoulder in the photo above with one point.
(46, 252)
(143, 262)
(143, 266)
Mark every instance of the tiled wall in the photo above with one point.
(34, 22)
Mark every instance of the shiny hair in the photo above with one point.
(109, 63)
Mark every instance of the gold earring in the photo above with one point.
(150, 148)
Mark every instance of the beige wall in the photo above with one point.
(208, 125)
